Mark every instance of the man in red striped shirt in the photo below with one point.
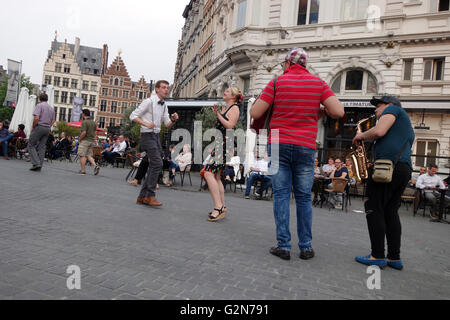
(296, 101)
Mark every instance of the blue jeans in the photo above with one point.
(5, 142)
(173, 165)
(294, 169)
(267, 182)
(251, 179)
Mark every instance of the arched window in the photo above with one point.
(355, 82)
(116, 82)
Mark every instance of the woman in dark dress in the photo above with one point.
(227, 117)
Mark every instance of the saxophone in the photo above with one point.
(358, 157)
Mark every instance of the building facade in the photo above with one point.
(360, 48)
(74, 71)
(117, 94)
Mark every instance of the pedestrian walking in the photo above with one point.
(150, 114)
(86, 142)
(394, 137)
(44, 118)
(296, 97)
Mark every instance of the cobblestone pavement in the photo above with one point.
(56, 218)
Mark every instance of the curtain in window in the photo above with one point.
(242, 12)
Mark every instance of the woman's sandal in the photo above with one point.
(221, 215)
(133, 183)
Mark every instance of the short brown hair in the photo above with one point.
(160, 82)
(43, 97)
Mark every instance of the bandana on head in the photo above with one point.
(297, 56)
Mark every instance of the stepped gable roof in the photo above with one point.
(87, 57)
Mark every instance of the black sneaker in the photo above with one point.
(280, 253)
(36, 168)
(307, 254)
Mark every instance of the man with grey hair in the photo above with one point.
(296, 96)
(428, 183)
(44, 118)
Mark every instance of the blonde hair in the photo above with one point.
(238, 94)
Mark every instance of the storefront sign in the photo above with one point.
(357, 104)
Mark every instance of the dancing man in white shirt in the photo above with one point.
(428, 183)
(150, 114)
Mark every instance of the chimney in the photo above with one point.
(77, 47)
(105, 56)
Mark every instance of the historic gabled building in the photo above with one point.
(360, 48)
(117, 93)
(141, 90)
(74, 71)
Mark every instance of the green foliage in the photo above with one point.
(209, 119)
(6, 113)
(3, 90)
(61, 126)
(25, 82)
(130, 129)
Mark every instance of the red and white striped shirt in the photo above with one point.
(297, 106)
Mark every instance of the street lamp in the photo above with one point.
(422, 125)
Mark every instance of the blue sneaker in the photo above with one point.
(377, 262)
(397, 264)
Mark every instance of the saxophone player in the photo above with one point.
(394, 138)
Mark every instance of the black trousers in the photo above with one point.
(151, 144)
(384, 200)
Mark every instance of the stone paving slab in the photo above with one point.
(56, 218)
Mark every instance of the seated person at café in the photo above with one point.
(116, 150)
(351, 177)
(62, 147)
(19, 138)
(318, 174)
(429, 183)
(180, 163)
(232, 171)
(168, 157)
(416, 176)
(5, 137)
(340, 171)
(259, 170)
(329, 167)
(107, 144)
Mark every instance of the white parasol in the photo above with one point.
(28, 116)
(18, 116)
(250, 141)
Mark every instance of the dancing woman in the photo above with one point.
(227, 118)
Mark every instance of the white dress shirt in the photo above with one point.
(426, 180)
(120, 148)
(263, 165)
(152, 112)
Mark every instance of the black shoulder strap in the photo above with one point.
(230, 108)
(270, 112)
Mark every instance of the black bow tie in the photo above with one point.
(161, 102)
